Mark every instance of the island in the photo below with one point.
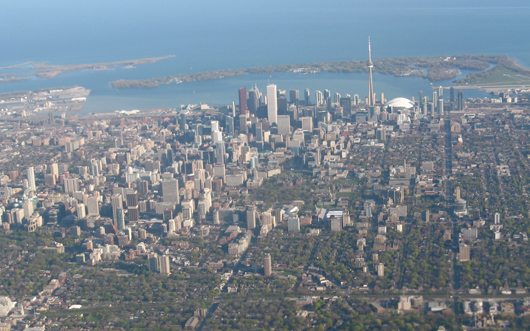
(48, 71)
(435, 68)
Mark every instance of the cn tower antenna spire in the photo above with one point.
(371, 96)
(370, 53)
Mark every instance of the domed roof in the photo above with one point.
(400, 103)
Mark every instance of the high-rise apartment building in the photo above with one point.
(267, 265)
(163, 265)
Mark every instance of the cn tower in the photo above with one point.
(371, 100)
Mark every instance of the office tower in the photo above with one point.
(345, 103)
(133, 213)
(163, 265)
(267, 265)
(319, 98)
(251, 218)
(170, 190)
(152, 260)
(230, 129)
(294, 96)
(284, 124)
(460, 100)
(307, 97)
(117, 202)
(307, 123)
(440, 92)
(356, 99)
(380, 270)
(371, 100)
(81, 211)
(253, 101)
(31, 179)
(293, 224)
(243, 124)
(421, 99)
(120, 219)
(272, 104)
(452, 94)
(214, 125)
(93, 206)
(259, 132)
(220, 153)
(424, 105)
(243, 101)
(132, 198)
(464, 252)
(382, 98)
(143, 187)
(217, 136)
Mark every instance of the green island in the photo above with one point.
(495, 71)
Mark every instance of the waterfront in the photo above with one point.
(229, 36)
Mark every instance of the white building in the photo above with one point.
(272, 104)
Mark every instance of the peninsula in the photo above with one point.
(47, 71)
(433, 68)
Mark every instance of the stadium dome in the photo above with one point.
(400, 103)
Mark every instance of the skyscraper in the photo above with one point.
(132, 198)
(284, 124)
(307, 97)
(293, 96)
(253, 100)
(117, 202)
(243, 101)
(120, 219)
(272, 104)
(31, 179)
(346, 104)
(371, 100)
(460, 100)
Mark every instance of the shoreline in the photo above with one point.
(46, 71)
(432, 68)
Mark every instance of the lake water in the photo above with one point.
(211, 35)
